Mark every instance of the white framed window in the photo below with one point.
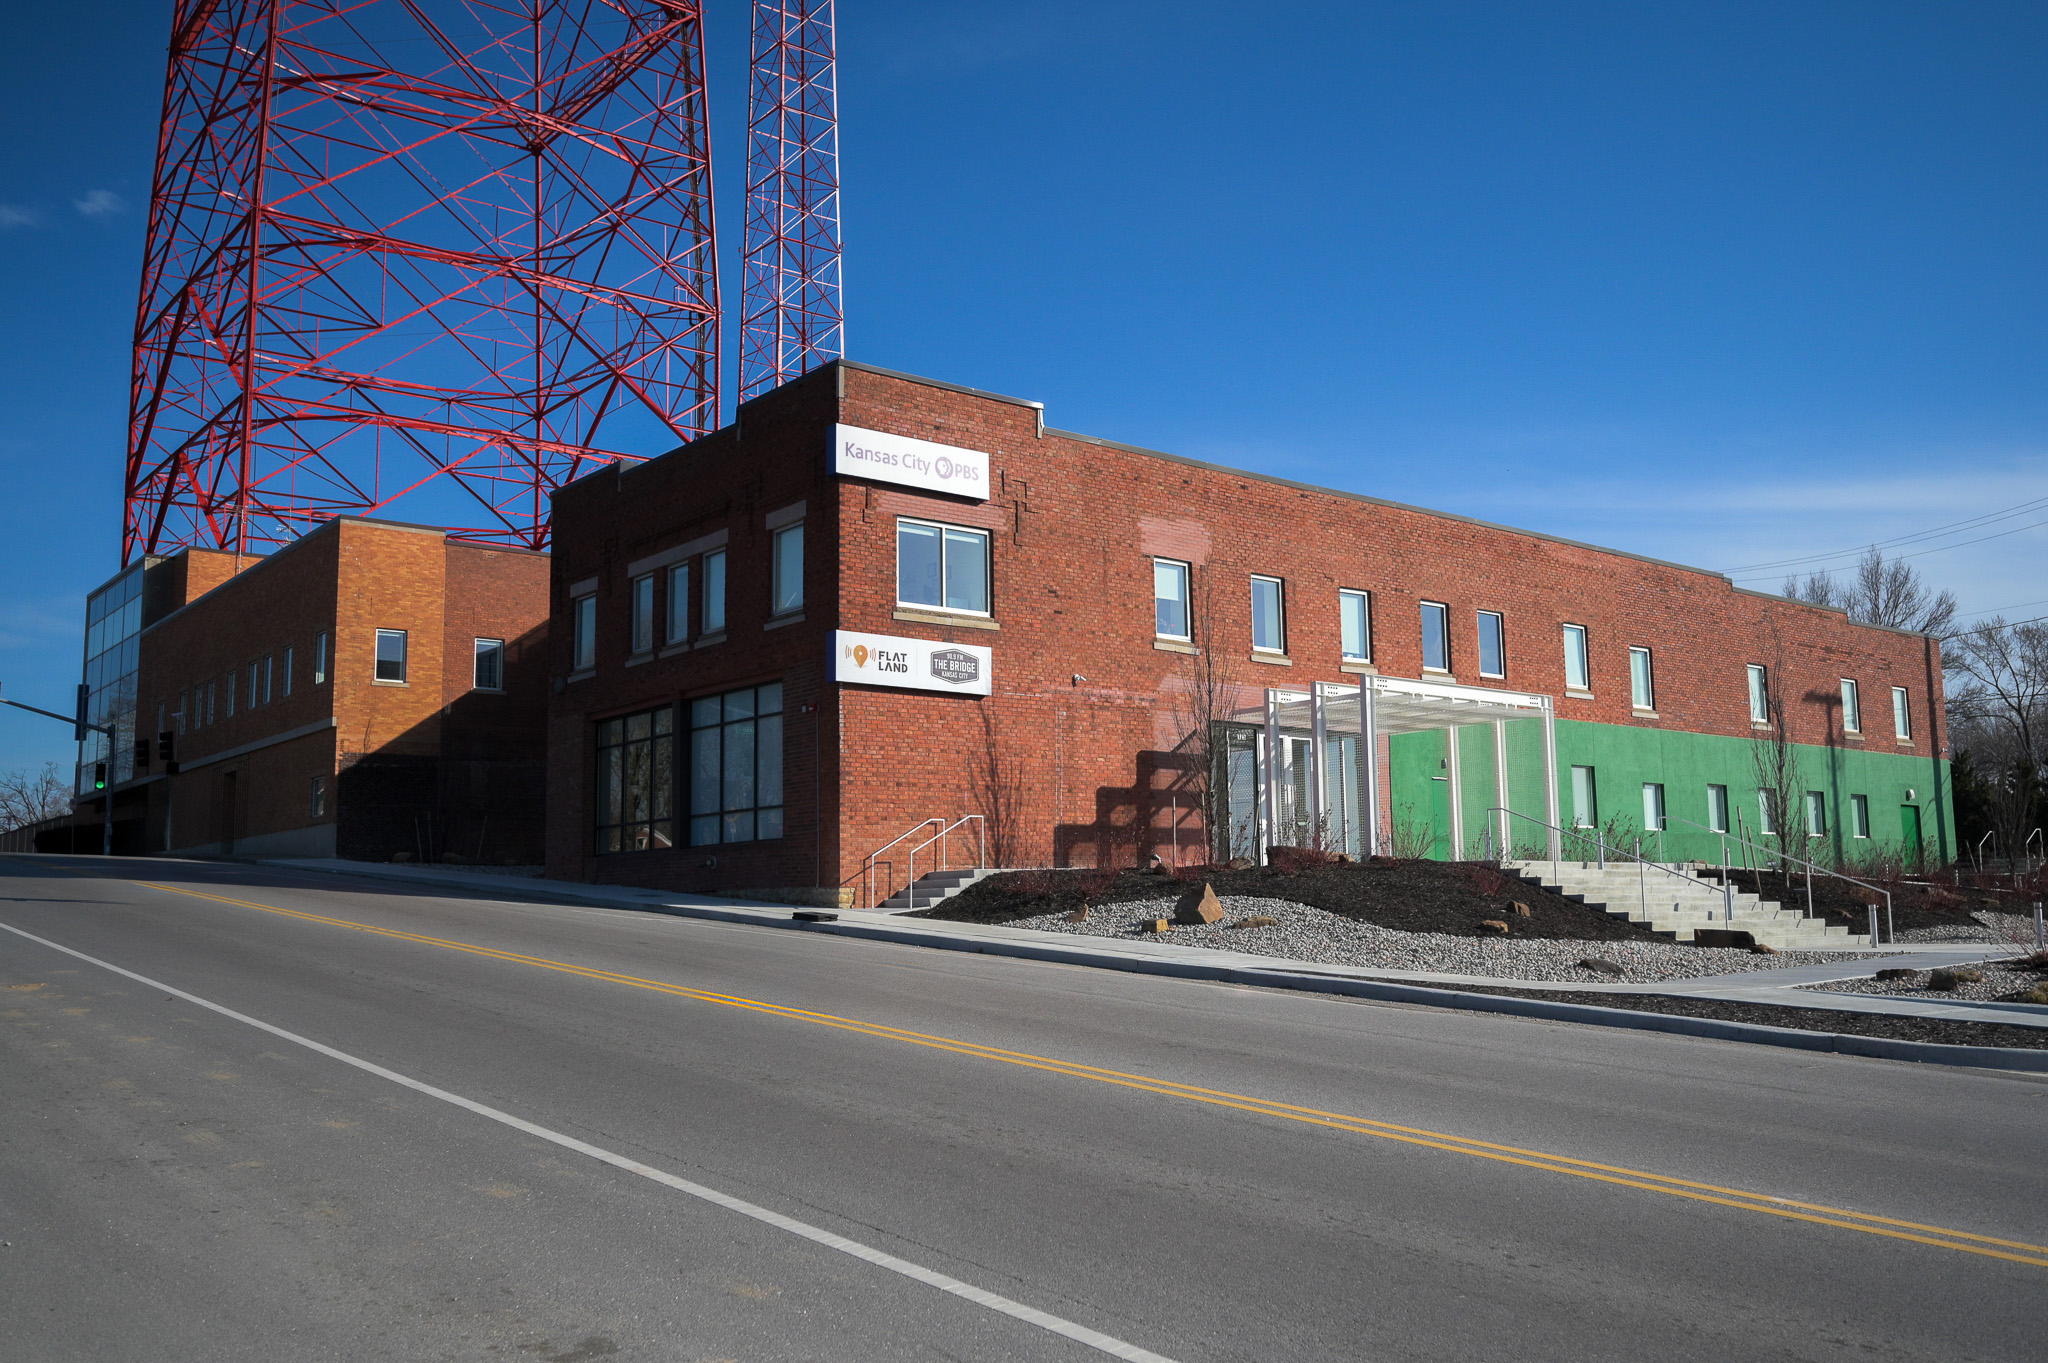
(1760, 699)
(1585, 801)
(679, 603)
(490, 665)
(1642, 691)
(1816, 814)
(1578, 675)
(1859, 816)
(1852, 707)
(1902, 714)
(286, 684)
(1436, 637)
(1269, 615)
(317, 805)
(786, 578)
(320, 658)
(391, 655)
(1766, 812)
(1170, 599)
(714, 592)
(1354, 626)
(1493, 645)
(640, 592)
(1717, 808)
(583, 633)
(942, 567)
(1653, 806)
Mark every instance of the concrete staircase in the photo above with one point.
(1678, 905)
(932, 889)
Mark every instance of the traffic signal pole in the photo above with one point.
(80, 725)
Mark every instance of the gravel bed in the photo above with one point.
(1305, 934)
(1997, 984)
(2002, 929)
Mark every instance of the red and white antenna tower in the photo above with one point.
(790, 315)
(451, 252)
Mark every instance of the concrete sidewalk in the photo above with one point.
(1777, 987)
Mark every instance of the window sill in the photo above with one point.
(1275, 659)
(1761, 726)
(1577, 693)
(1445, 673)
(788, 618)
(374, 681)
(1852, 735)
(1902, 742)
(710, 639)
(1175, 646)
(1361, 669)
(635, 659)
(1643, 712)
(943, 617)
(585, 675)
(672, 650)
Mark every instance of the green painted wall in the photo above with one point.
(1624, 757)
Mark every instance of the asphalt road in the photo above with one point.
(517, 1138)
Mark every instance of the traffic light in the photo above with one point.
(166, 746)
(78, 729)
(141, 752)
(99, 776)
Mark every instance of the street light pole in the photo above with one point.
(79, 724)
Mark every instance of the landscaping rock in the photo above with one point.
(1238, 864)
(1898, 973)
(1257, 920)
(1948, 977)
(1521, 910)
(1600, 967)
(1722, 937)
(1200, 906)
(2038, 994)
(1157, 925)
(1079, 915)
(1495, 927)
(1762, 949)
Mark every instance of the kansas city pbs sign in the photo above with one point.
(920, 664)
(859, 453)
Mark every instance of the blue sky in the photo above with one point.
(1719, 283)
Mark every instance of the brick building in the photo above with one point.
(876, 599)
(370, 690)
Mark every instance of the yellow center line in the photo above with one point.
(2016, 1251)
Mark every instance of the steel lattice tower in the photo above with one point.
(452, 250)
(790, 314)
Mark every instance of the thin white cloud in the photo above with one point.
(99, 203)
(14, 215)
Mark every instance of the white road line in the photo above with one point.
(1030, 1315)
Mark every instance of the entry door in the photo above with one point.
(1909, 829)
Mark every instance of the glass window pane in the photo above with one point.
(1759, 696)
(768, 824)
(1717, 808)
(1639, 692)
(664, 720)
(391, 655)
(738, 827)
(768, 698)
(1355, 626)
(918, 568)
(679, 603)
(704, 766)
(768, 739)
(1436, 651)
(662, 778)
(704, 711)
(1576, 674)
(634, 807)
(1852, 707)
(583, 647)
(714, 592)
(638, 726)
(1585, 809)
(1267, 631)
(786, 591)
(1902, 717)
(1490, 644)
(966, 571)
(704, 831)
(607, 786)
(490, 664)
(739, 765)
(643, 613)
(1170, 598)
(739, 704)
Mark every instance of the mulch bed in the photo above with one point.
(1846, 905)
(1412, 896)
(1941, 1031)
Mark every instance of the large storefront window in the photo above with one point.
(636, 782)
(736, 766)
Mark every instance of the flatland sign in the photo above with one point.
(861, 453)
(919, 664)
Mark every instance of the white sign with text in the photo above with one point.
(924, 664)
(858, 453)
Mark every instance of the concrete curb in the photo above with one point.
(2022, 1059)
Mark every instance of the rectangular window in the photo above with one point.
(1170, 599)
(209, 701)
(1902, 714)
(1759, 695)
(1653, 807)
(1269, 616)
(1852, 707)
(317, 806)
(1859, 816)
(583, 633)
(287, 679)
(786, 591)
(268, 659)
(1493, 648)
(1642, 693)
(1354, 626)
(255, 676)
(390, 655)
(1578, 676)
(636, 782)
(944, 567)
(1585, 807)
(679, 603)
(183, 713)
(1766, 812)
(320, 659)
(714, 592)
(736, 766)
(490, 664)
(1717, 808)
(1816, 814)
(641, 590)
(228, 710)
(1436, 637)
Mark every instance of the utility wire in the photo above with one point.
(1939, 548)
(1971, 523)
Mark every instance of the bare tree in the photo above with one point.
(1999, 707)
(30, 797)
(1207, 696)
(1776, 761)
(1879, 591)
(998, 776)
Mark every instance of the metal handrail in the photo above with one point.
(1783, 855)
(868, 865)
(980, 860)
(1600, 850)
